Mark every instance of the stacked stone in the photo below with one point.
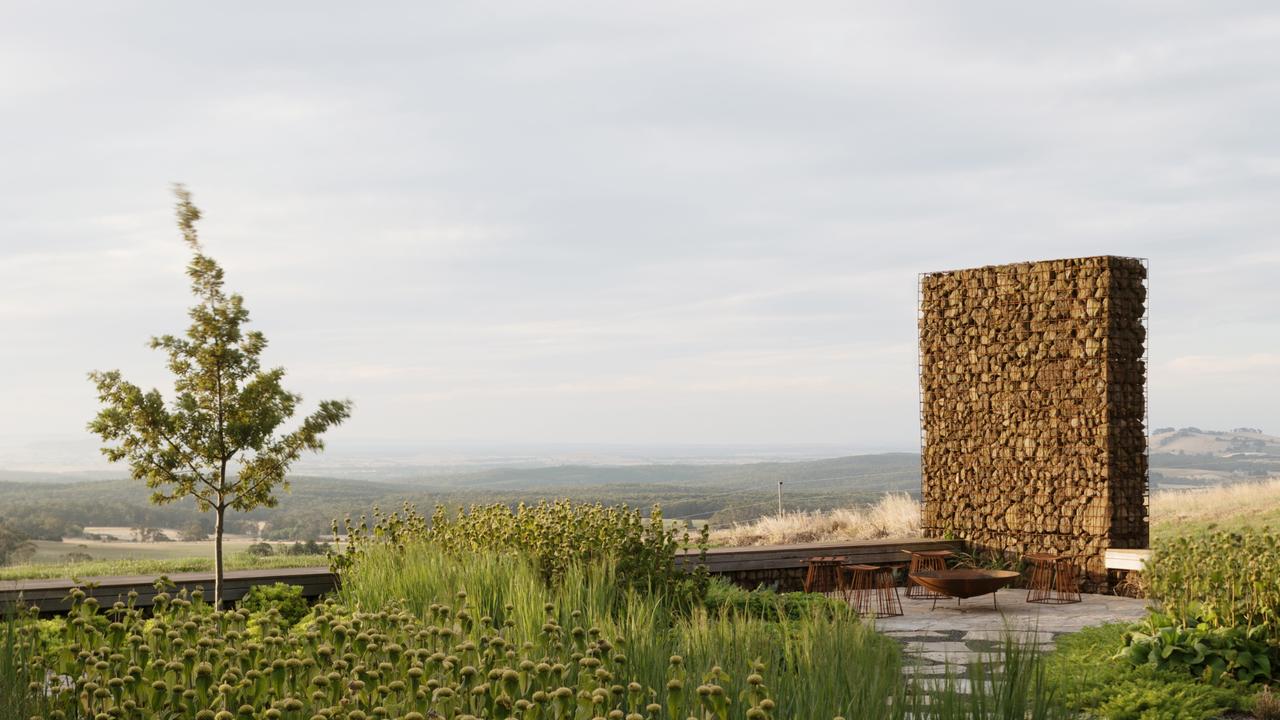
(1127, 394)
(1033, 387)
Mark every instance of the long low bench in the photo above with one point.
(746, 565)
(726, 561)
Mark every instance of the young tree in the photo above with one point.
(218, 441)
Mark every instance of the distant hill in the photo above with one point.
(717, 493)
(35, 476)
(1220, 443)
(880, 472)
(1192, 457)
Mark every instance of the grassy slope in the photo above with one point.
(1184, 512)
(48, 551)
(1268, 518)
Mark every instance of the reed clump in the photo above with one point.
(555, 536)
(808, 661)
(893, 515)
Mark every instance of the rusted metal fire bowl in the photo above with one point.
(964, 582)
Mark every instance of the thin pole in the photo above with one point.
(779, 498)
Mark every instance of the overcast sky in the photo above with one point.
(648, 223)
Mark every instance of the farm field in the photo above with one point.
(66, 559)
(48, 551)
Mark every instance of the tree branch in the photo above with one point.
(264, 482)
(187, 457)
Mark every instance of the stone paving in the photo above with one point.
(934, 638)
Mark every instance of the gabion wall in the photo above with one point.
(1033, 407)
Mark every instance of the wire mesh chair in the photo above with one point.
(823, 575)
(922, 560)
(1055, 579)
(870, 590)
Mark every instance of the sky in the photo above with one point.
(624, 223)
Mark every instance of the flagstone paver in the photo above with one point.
(935, 638)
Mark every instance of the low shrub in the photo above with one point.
(1265, 705)
(261, 549)
(723, 596)
(1089, 678)
(281, 597)
(1208, 652)
(991, 559)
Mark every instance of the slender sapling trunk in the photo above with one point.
(219, 513)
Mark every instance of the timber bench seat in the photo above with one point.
(783, 557)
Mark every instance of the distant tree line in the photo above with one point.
(14, 546)
(310, 547)
(721, 495)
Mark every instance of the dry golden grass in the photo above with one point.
(895, 515)
(1216, 504)
(898, 515)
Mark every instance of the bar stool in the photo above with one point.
(868, 585)
(824, 574)
(1055, 579)
(922, 560)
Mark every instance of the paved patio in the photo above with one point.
(934, 638)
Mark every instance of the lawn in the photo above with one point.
(1177, 513)
(155, 566)
(126, 557)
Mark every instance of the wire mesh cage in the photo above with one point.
(1033, 403)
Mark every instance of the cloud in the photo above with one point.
(1200, 365)
(670, 222)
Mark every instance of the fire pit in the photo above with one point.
(965, 582)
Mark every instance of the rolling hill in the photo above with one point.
(716, 493)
